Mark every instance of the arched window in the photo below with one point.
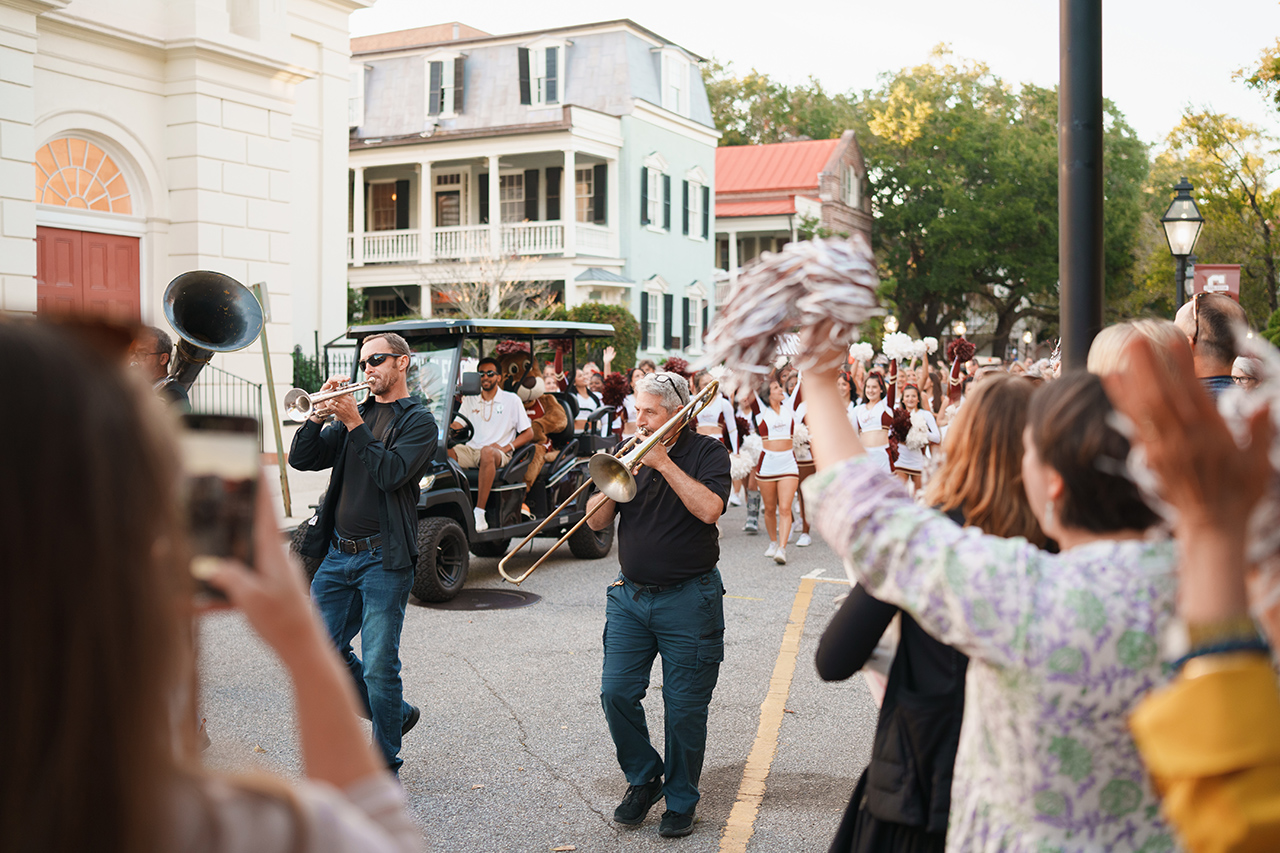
(76, 173)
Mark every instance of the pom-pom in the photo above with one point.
(918, 435)
(740, 465)
(507, 347)
(800, 436)
(930, 345)
(677, 365)
(901, 425)
(744, 429)
(960, 349)
(862, 351)
(898, 346)
(753, 446)
(614, 390)
(825, 289)
(919, 350)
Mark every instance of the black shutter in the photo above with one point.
(685, 223)
(668, 307)
(645, 343)
(666, 202)
(367, 211)
(525, 96)
(705, 312)
(554, 180)
(459, 69)
(402, 205)
(553, 54)
(531, 195)
(688, 329)
(483, 191)
(706, 215)
(434, 94)
(644, 196)
(599, 185)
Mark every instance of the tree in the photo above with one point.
(754, 109)
(625, 340)
(490, 287)
(964, 182)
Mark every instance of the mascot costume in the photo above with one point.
(522, 376)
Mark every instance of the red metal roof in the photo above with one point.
(782, 165)
(755, 208)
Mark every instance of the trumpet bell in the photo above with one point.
(612, 477)
(297, 405)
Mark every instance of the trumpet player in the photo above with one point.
(366, 526)
(667, 601)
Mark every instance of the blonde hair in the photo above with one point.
(982, 473)
(1107, 353)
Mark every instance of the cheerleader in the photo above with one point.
(743, 464)
(629, 403)
(924, 432)
(868, 420)
(777, 472)
(717, 418)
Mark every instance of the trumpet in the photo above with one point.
(611, 474)
(298, 403)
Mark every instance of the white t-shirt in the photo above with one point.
(497, 421)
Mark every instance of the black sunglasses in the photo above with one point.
(488, 372)
(663, 377)
(376, 359)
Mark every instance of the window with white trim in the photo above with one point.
(694, 321)
(444, 86)
(852, 187)
(542, 75)
(355, 96)
(675, 82)
(695, 211)
(655, 198)
(511, 197)
(654, 326)
(584, 194)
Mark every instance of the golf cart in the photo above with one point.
(441, 372)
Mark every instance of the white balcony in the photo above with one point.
(468, 242)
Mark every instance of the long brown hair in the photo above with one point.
(982, 472)
(95, 624)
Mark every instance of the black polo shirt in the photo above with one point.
(659, 540)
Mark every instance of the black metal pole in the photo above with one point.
(1181, 288)
(1080, 259)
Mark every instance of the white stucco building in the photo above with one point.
(142, 139)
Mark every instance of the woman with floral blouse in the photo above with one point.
(1062, 646)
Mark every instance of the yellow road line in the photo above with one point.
(744, 598)
(742, 817)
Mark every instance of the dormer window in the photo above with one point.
(355, 96)
(542, 74)
(445, 76)
(675, 82)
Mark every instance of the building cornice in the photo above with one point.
(439, 136)
(673, 122)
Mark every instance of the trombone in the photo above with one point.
(611, 474)
(298, 403)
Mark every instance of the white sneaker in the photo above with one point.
(781, 557)
(481, 524)
(804, 541)
(771, 550)
(735, 499)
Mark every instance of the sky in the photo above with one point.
(1158, 57)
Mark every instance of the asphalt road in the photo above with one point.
(512, 753)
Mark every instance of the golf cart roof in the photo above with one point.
(417, 329)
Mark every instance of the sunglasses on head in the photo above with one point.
(376, 359)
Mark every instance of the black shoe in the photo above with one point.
(411, 720)
(636, 804)
(675, 825)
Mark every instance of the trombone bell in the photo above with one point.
(612, 476)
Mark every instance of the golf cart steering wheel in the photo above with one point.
(462, 434)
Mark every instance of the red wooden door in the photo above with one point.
(85, 272)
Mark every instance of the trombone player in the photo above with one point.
(667, 601)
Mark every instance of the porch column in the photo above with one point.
(613, 218)
(733, 257)
(426, 213)
(569, 203)
(495, 210)
(357, 217)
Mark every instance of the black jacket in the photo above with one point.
(396, 465)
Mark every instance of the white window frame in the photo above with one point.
(697, 298)
(697, 179)
(355, 94)
(584, 201)
(447, 85)
(657, 167)
(655, 319)
(852, 187)
(505, 201)
(538, 72)
(675, 81)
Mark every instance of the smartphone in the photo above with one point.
(220, 466)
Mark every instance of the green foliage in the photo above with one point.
(356, 303)
(754, 109)
(625, 340)
(306, 371)
(1265, 76)
(1272, 331)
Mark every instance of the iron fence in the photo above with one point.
(339, 359)
(217, 392)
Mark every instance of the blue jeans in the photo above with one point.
(684, 624)
(354, 593)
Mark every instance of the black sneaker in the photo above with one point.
(636, 804)
(410, 720)
(675, 825)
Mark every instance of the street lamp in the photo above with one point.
(959, 328)
(891, 324)
(1028, 339)
(1182, 223)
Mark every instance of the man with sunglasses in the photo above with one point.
(1209, 321)
(366, 526)
(500, 425)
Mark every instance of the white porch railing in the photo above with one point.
(386, 247)
(532, 238)
(460, 242)
(595, 240)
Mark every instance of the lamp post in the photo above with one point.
(958, 328)
(1028, 339)
(1182, 223)
(891, 324)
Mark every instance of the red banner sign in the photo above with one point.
(1217, 278)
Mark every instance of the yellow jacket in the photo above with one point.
(1211, 741)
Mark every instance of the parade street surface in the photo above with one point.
(512, 752)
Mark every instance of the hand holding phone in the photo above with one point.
(220, 461)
